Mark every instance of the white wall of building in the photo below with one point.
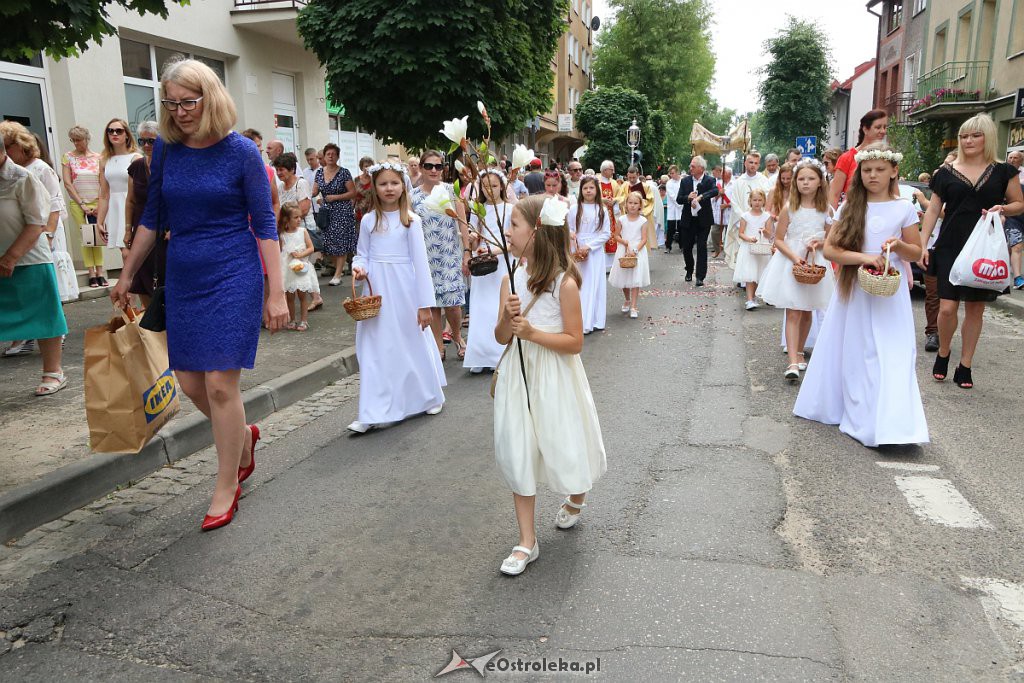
(861, 99)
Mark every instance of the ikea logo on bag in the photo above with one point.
(991, 270)
(156, 399)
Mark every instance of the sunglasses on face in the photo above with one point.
(427, 166)
(187, 105)
(147, 141)
(575, 170)
(115, 131)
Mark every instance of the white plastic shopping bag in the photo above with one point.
(984, 262)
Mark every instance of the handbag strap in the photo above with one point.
(508, 347)
(160, 226)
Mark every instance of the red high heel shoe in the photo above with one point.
(244, 472)
(211, 522)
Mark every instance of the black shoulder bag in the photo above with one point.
(155, 317)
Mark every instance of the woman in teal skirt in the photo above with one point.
(29, 302)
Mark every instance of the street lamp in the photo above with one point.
(633, 140)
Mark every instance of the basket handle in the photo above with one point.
(810, 255)
(368, 283)
(888, 249)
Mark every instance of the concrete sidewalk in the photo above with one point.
(45, 466)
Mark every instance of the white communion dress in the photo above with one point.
(750, 266)
(633, 232)
(778, 286)
(557, 440)
(862, 374)
(482, 349)
(296, 282)
(400, 371)
(593, 233)
(115, 170)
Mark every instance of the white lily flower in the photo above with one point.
(439, 201)
(459, 166)
(554, 211)
(455, 130)
(521, 156)
(481, 108)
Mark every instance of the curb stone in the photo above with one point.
(1009, 304)
(72, 486)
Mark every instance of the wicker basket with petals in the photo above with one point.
(627, 262)
(808, 273)
(362, 307)
(885, 283)
(761, 248)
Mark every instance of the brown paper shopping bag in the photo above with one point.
(130, 391)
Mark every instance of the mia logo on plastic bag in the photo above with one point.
(156, 399)
(987, 269)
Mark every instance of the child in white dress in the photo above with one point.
(400, 371)
(799, 235)
(545, 428)
(632, 239)
(862, 375)
(298, 276)
(590, 228)
(755, 226)
(482, 349)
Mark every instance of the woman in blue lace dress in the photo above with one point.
(209, 187)
(448, 253)
(336, 191)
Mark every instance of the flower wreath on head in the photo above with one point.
(386, 166)
(873, 154)
(494, 171)
(809, 161)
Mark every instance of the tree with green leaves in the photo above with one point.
(921, 146)
(604, 115)
(661, 48)
(63, 28)
(795, 87)
(400, 69)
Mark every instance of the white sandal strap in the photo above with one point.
(578, 506)
(59, 376)
(525, 551)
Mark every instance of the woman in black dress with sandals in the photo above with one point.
(971, 186)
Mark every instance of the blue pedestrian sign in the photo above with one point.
(808, 145)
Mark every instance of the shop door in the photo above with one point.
(23, 99)
(285, 112)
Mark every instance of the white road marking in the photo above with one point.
(1007, 597)
(908, 466)
(937, 500)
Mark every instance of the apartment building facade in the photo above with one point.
(950, 60)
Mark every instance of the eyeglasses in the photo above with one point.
(575, 170)
(427, 166)
(115, 131)
(147, 141)
(187, 105)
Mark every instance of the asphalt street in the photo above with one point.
(727, 541)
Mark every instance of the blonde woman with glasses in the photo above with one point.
(119, 151)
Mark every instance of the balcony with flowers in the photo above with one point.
(949, 91)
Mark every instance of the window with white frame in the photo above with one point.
(141, 64)
(918, 6)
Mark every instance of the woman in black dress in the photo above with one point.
(970, 187)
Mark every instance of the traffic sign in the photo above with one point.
(808, 145)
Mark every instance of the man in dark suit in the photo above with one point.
(695, 193)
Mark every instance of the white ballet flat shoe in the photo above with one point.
(565, 519)
(436, 409)
(511, 566)
(802, 366)
(634, 314)
(625, 308)
(792, 373)
(359, 427)
(475, 371)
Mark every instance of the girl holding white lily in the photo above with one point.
(400, 372)
(546, 428)
(862, 375)
(590, 227)
(482, 350)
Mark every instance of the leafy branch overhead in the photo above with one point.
(63, 28)
(604, 115)
(400, 68)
